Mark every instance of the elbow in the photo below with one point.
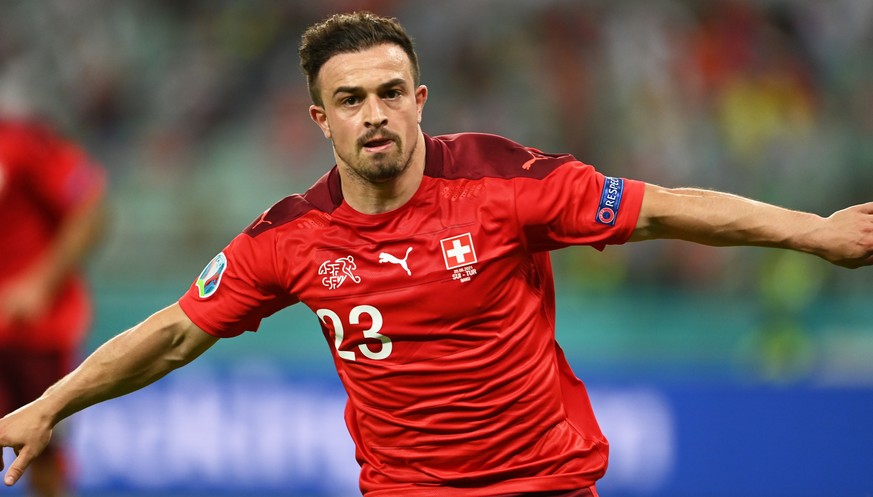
(650, 227)
(186, 343)
(175, 340)
(650, 223)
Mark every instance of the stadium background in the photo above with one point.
(715, 372)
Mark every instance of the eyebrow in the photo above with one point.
(383, 86)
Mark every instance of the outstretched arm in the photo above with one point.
(138, 357)
(712, 218)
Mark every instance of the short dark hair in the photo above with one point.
(349, 33)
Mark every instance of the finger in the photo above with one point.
(16, 469)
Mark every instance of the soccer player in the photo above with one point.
(51, 195)
(426, 262)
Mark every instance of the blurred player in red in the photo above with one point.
(50, 216)
(426, 262)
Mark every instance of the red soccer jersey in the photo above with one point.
(43, 178)
(440, 315)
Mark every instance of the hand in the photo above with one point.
(849, 237)
(27, 433)
(25, 298)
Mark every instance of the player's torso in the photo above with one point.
(439, 263)
(28, 219)
(26, 223)
(440, 319)
(27, 226)
(429, 306)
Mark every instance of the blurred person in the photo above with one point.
(426, 260)
(51, 195)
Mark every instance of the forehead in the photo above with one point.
(367, 68)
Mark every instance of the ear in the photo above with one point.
(420, 99)
(319, 116)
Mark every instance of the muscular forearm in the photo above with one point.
(721, 219)
(130, 361)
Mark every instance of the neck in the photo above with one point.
(368, 197)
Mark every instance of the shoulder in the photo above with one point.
(306, 210)
(480, 155)
(25, 136)
(31, 130)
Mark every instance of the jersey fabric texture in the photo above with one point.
(440, 314)
(43, 179)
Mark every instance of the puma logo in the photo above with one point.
(262, 219)
(535, 156)
(386, 257)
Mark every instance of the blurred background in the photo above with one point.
(714, 372)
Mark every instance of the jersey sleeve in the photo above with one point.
(237, 289)
(63, 174)
(576, 205)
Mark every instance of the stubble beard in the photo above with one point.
(381, 167)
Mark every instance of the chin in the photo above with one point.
(384, 176)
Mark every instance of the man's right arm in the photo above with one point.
(845, 238)
(138, 357)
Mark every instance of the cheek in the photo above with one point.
(343, 137)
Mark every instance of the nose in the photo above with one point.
(374, 116)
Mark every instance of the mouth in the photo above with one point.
(377, 144)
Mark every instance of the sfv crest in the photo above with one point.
(336, 272)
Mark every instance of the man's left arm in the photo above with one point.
(844, 238)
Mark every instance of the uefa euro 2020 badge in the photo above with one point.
(208, 281)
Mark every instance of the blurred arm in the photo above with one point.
(77, 237)
(713, 218)
(141, 355)
(28, 296)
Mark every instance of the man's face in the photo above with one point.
(371, 111)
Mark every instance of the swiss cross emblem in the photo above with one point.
(458, 251)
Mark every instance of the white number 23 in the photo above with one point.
(355, 318)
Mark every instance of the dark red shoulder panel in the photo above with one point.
(480, 155)
(323, 198)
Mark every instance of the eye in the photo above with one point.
(393, 93)
(350, 100)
